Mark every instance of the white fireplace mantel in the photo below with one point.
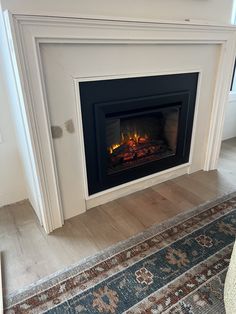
(27, 34)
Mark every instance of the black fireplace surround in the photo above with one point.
(134, 127)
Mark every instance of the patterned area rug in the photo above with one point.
(177, 267)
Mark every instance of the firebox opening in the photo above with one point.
(135, 127)
(135, 139)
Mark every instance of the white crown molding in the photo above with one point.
(27, 32)
(100, 18)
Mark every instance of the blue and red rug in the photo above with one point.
(178, 267)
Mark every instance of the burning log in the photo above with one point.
(129, 156)
(132, 142)
(142, 140)
(133, 150)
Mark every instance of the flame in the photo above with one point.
(125, 138)
(113, 147)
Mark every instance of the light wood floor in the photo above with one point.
(28, 254)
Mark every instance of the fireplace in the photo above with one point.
(134, 127)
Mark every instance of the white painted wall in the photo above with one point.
(230, 119)
(207, 10)
(12, 180)
(16, 175)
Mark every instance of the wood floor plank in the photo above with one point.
(179, 196)
(196, 187)
(29, 254)
(126, 222)
(104, 232)
(144, 209)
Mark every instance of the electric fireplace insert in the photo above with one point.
(135, 127)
